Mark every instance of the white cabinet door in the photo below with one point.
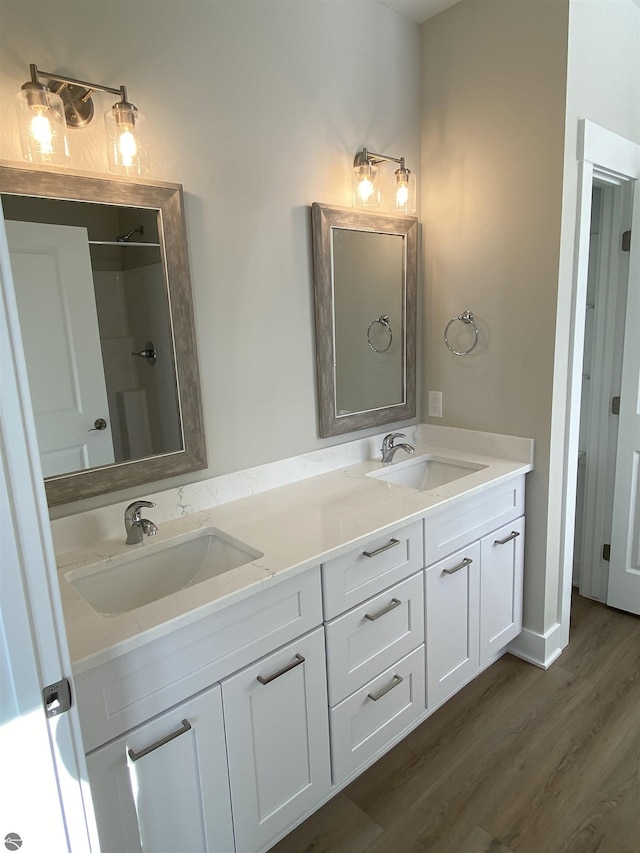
(276, 720)
(452, 597)
(502, 561)
(164, 786)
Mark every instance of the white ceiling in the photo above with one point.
(418, 10)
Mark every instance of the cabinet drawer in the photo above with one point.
(124, 692)
(362, 726)
(374, 566)
(369, 638)
(472, 518)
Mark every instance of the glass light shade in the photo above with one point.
(404, 192)
(126, 147)
(43, 129)
(365, 188)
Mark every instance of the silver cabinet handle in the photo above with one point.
(390, 544)
(395, 602)
(265, 679)
(466, 562)
(185, 727)
(397, 679)
(512, 535)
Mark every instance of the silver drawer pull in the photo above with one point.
(266, 679)
(395, 602)
(397, 679)
(185, 727)
(466, 562)
(390, 544)
(512, 535)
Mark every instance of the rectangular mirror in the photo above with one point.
(103, 291)
(365, 275)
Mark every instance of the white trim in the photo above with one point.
(602, 153)
(611, 152)
(539, 649)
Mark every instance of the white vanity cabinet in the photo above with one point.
(164, 786)
(474, 594)
(153, 723)
(375, 649)
(225, 733)
(277, 740)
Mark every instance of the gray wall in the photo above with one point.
(492, 158)
(504, 85)
(257, 108)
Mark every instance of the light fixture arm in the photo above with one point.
(37, 75)
(366, 157)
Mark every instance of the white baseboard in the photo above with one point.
(539, 649)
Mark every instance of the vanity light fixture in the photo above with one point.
(366, 193)
(45, 112)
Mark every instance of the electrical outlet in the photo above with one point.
(435, 404)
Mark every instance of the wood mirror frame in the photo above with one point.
(325, 219)
(167, 199)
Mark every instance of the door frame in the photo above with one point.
(601, 153)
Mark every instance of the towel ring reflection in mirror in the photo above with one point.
(467, 318)
(383, 320)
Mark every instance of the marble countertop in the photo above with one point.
(294, 526)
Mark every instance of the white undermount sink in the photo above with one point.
(425, 472)
(157, 569)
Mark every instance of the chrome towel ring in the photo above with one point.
(467, 318)
(383, 320)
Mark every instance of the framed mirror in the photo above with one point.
(103, 291)
(365, 277)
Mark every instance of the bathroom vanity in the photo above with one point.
(220, 716)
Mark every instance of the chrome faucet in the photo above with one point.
(135, 525)
(389, 448)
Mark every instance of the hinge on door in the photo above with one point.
(615, 405)
(626, 241)
(606, 553)
(57, 698)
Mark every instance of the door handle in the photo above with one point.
(466, 562)
(266, 679)
(513, 535)
(99, 424)
(184, 728)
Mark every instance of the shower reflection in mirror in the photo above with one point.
(81, 341)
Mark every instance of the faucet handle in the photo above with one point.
(132, 512)
(388, 440)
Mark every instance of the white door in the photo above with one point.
(452, 596)
(276, 720)
(501, 576)
(624, 569)
(45, 802)
(52, 271)
(165, 785)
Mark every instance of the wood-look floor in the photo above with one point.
(520, 761)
